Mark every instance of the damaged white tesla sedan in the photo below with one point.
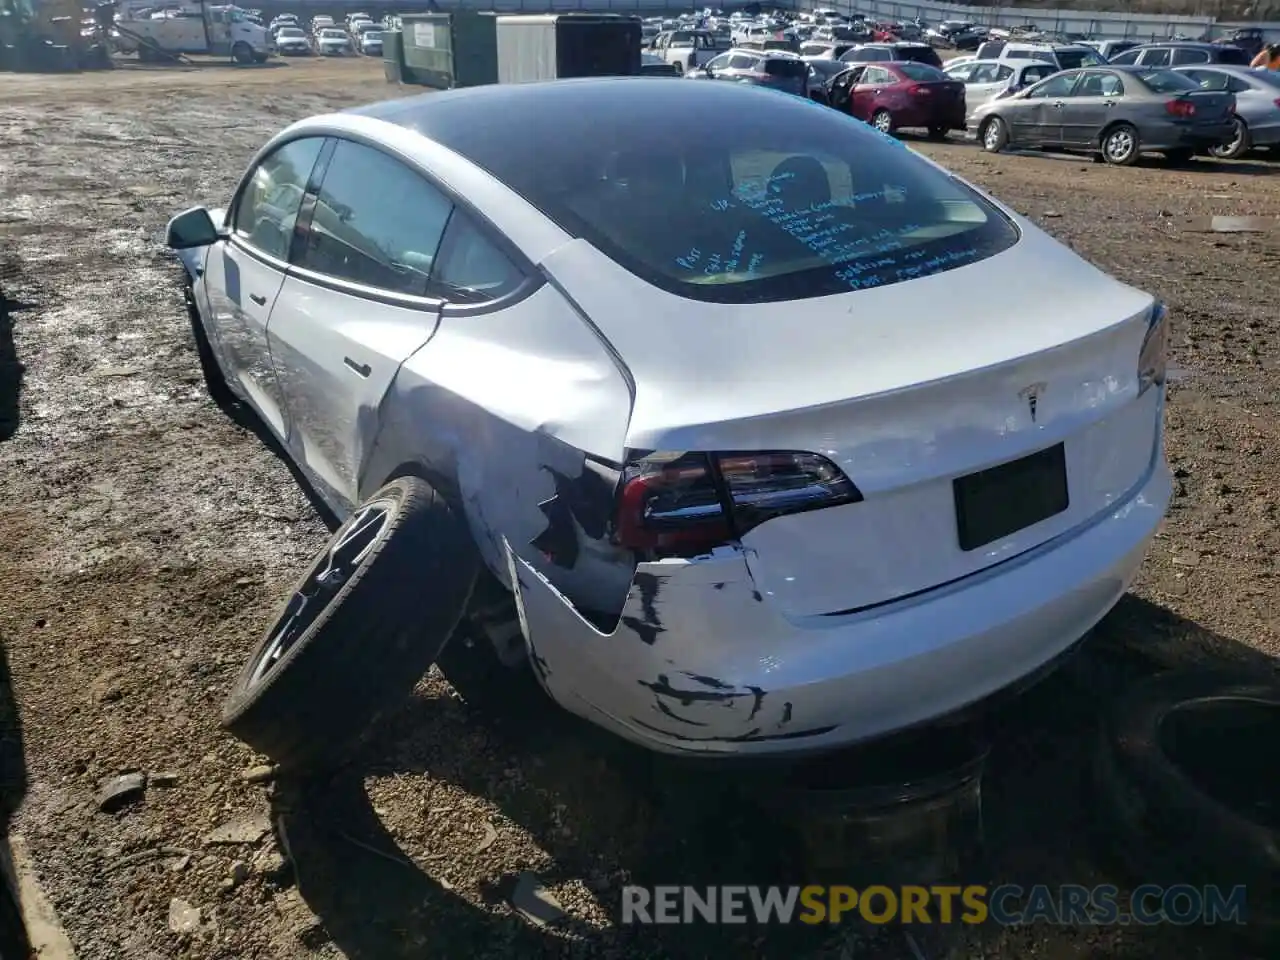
(707, 382)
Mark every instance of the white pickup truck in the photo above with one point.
(685, 49)
(224, 30)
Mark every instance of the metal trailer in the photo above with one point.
(557, 46)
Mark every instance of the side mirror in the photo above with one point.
(191, 228)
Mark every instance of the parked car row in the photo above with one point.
(1044, 95)
(358, 34)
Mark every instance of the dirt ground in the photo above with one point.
(147, 537)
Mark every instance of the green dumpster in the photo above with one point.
(445, 50)
(393, 55)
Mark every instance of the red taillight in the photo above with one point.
(686, 504)
(917, 89)
(1180, 108)
(1277, 101)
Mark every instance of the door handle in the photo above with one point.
(362, 369)
(260, 301)
(1058, 104)
(1108, 103)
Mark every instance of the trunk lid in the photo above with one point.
(1211, 106)
(905, 388)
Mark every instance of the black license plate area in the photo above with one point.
(993, 503)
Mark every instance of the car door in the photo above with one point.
(1155, 57)
(1185, 56)
(1039, 118)
(244, 273)
(868, 91)
(354, 306)
(984, 83)
(1089, 107)
(841, 86)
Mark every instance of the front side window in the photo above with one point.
(376, 222)
(965, 73)
(1129, 57)
(1156, 57)
(734, 202)
(267, 209)
(718, 63)
(1056, 86)
(1036, 74)
(742, 61)
(877, 76)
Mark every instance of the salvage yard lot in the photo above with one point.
(147, 538)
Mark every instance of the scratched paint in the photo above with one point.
(641, 678)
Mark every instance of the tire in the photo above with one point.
(260, 57)
(1120, 145)
(882, 120)
(316, 684)
(210, 370)
(1165, 826)
(1238, 147)
(938, 133)
(994, 135)
(242, 53)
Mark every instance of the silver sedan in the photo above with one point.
(1257, 93)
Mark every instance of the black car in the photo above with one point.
(880, 52)
(821, 72)
(1181, 54)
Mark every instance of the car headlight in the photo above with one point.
(1153, 357)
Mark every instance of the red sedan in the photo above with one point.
(901, 93)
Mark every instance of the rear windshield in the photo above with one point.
(919, 55)
(1230, 54)
(786, 68)
(921, 71)
(776, 45)
(1075, 59)
(1166, 81)
(732, 194)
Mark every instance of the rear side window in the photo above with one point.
(1074, 59)
(788, 69)
(1233, 55)
(1190, 55)
(470, 268)
(1166, 81)
(926, 55)
(376, 223)
(920, 71)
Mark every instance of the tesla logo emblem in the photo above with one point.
(1031, 395)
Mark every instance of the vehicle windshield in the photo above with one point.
(920, 71)
(743, 197)
(333, 34)
(1166, 81)
(291, 32)
(1075, 59)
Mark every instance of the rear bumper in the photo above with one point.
(952, 119)
(701, 664)
(1179, 136)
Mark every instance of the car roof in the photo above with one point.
(1184, 44)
